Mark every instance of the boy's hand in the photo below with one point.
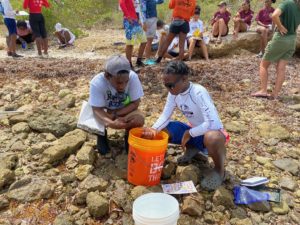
(282, 30)
(119, 123)
(186, 137)
(149, 133)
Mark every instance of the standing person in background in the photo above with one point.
(243, 19)
(264, 22)
(220, 22)
(9, 16)
(282, 46)
(183, 10)
(133, 31)
(37, 23)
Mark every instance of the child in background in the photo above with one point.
(243, 19)
(265, 27)
(220, 22)
(173, 50)
(64, 36)
(24, 32)
(195, 36)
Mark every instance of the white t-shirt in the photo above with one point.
(9, 13)
(174, 46)
(197, 106)
(195, 25)
(103, 94)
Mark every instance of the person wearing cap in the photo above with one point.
(133, 31)
(64, 36)
(9, 16)
(243, 19)
(195, 36)
(183, 10)
(115, 95)
(265, 25)
(281, 48)
(37, 23)
(220, 22)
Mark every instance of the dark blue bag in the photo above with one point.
(244, 195)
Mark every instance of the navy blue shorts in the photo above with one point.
(11, 26)
(176, 130)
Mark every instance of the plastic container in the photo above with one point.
(155, 209)
(146, 158)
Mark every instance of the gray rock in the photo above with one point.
(80, 197)
(39, 148)
(236, 127)
(8, 160)
(82, 171)
(208, 218)
(260, 206)
(193, 205)
(287, 164)
(122, 161)
(64, 146)
(233, 111)
(93, 183)
(18, 146)
(239, 213)
(18, 119)
(21, 127)
(187, 173)
(20, 183)
(223, 197)
(288, 183)
(68, 177)
(37, 189)
(268, 130)
(52, 121)
(97, 205)
(4, 203)
(63, 219)
(86, 155)
(6, 177)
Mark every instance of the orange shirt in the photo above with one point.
(183, 9)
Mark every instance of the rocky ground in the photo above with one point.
(50, 172)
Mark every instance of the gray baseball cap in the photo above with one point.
(117, 63)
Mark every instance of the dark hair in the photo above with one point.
(197, 10)
(160, 23)
(273, 1)
(178, 68)
(21, 23)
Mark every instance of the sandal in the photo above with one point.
(212, 180)
(187, 156)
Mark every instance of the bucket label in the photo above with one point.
(156, 166)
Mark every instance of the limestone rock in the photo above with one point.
(233, 111)
(295, 107)
(137, 191)
(82, 171)
(20, 183)
(18, 146)
(6, 177)
(239, 213)
(268, 130)
(287, 164)
(86, 155)
(67, 102)
(39, 148)
(63, 219)
(262, 160)
(93, 183)
(64, 146)
(64, 92)
(80, 197)
(187, 173)
(281, 209)
(236, 127)
(97, 205)
(35, 190)
(21, 127)
(223, 197)
(260, 206)
(3, 202)
(8, 160)
(68, 177)
(245, 221)
(193, 205)
(288, 183)
(168, 170)
(18, 119)
(52, 121)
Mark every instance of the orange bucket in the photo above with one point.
(146, 158)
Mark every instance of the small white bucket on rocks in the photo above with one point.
(155, 209)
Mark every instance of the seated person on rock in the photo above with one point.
(220, 22)
(203, 134)
(115, 97)
(173, 49)
(64, 36)
(243, 19)
(195, 36)
(265, 25)
(160, 35)
(24, 33)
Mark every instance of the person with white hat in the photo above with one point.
(64, 36)
(115, 97)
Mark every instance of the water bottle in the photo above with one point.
(24, 45)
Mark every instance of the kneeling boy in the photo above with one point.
(115, 97)
(204, 133)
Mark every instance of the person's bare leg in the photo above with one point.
(192, 47)
(280, 70)
(160, 44)
(204, 50)
(135, 121)
(214, 141)
(165, 46)
(222, 28)
(45, 45)
(215, 29)
(9, 48)
(129, 50)
(182, 37)
(148, 47)
(236, 29)
(264, 39)
(263, 73)
(142, 50)
(39, 44)
(13, 43)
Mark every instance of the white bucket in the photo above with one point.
(155, 209)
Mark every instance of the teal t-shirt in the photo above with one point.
(290, 17)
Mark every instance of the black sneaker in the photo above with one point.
(15, 55)
(139, 63)
(9, 54)
(102, 144)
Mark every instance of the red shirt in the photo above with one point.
(183, 9)
(264, 16)
(246, 16)
(225, 16)
(128, 9)
(35, 6)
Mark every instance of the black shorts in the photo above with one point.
(27, 38)
(179, 26)
(37, 24)
(173, 54)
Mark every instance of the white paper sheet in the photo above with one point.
(186, 187)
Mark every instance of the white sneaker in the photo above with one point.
(260, 55)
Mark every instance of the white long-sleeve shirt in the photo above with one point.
(8, 10)
(72, 36)
(197, 106)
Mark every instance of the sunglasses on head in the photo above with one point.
(171, 86)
